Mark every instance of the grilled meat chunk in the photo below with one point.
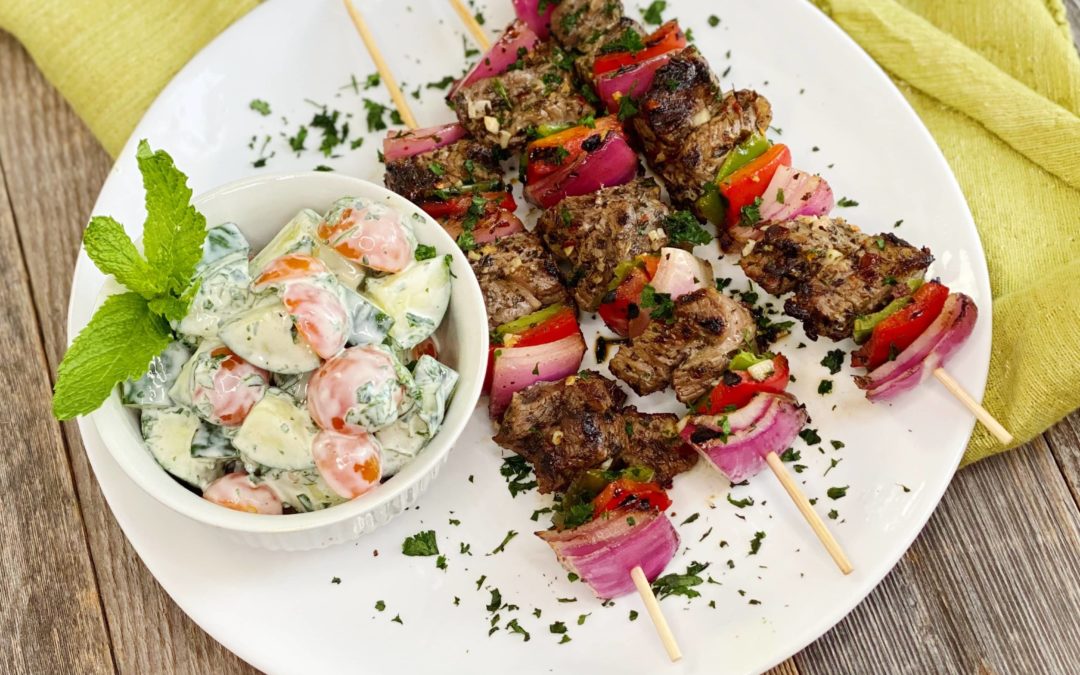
(688, 128)
(565, 427)
(501, 110)
(462, 163)
(691, 349)
(593, 233)
(835, 271)
(517, 276)
(653, 441)
(578, 24)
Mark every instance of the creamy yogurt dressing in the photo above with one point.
(288, 388)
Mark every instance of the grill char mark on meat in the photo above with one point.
(501, 110)
(835, 272)
(568, 426)
(593, 233)
(692, 351)
(415, 179)
(564, 427)
(688, 128)
(517, 276)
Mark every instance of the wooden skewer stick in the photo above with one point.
(981, 414)
(471, 23)
(652, 606)
(380, 65)
(808, 512)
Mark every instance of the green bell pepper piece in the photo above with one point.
(743, 153)
(529, 320)
(864, 325)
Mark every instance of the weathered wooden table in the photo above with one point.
(991, 585)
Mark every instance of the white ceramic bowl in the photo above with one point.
(260, 207)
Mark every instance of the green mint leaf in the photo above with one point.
(116, 345)
(174, 231)
(112, 250)
(174, 309)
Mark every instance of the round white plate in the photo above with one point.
(282, 612)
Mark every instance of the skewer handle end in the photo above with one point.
(982, 414)
(652, 606)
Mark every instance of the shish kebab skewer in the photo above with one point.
(788, 415)
(637, 574)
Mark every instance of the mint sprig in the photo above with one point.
(131, 328)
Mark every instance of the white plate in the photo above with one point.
(280, 611)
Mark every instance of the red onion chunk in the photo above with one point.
(502, 54)
(613, 163)
(502, 225)
(804, 194)
(539, 20)
(619, 541)
(518, 367)
(680, 272)
(401, 144)
(633, 81)
(742, 454)
(929, 351)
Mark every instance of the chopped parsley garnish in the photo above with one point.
(469, 50)
(628, 41)
(680, 584)
(506, 540)
(441, 84)
(535, 517)
(421, 544)
(714, 21)
(581, 619)
(652, 13)
(750, 214)
(424, 252)
(260, 106)
(721, 284)
(572, 577)
(833, 514)
(898, 223)
(517, 471)
(380, 605)
(437, 169)
(844, 202)
(662, 304)
(833, 361)
(836, 444)
(440, 562)
(741, 503)
(683, 228)
(810, 436)
(627, 107)
(397, 619)
(904, 487)
(336, 580)
(513, 626)
(633, 615)
(824, 387)
(564, 640)
(755, 543)
(837, 492)
(496, 601)
(691, 518)
(832, 465)
(296, 143)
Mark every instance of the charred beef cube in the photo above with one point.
(792, 252)
(690, 348)
(653, 441)
(578, 24)
(593, 233)
(517, 276)
(465, 162)
(565, 427)
(502, 110)
(687, 128)
(836, 272)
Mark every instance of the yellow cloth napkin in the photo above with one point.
(110, 58)
(996, 81)
(998, 84)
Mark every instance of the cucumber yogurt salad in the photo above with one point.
(304, 376)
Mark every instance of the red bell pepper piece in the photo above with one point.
(741, 188)
(551, 153)
(459, 206)
(896, 332)
(666, 38)
(622, 313)
(738, 387)
(621, 490)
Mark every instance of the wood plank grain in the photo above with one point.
(989, 586)
(1064, 440)
(52, 619)
(55, 171)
